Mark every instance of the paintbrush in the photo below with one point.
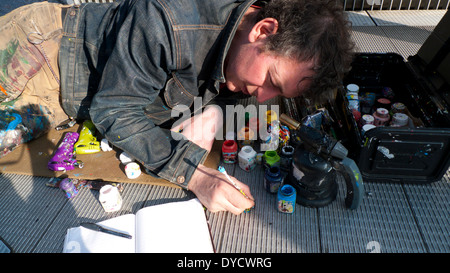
(222, 170)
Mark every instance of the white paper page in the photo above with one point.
(83, 240)
(173, 227)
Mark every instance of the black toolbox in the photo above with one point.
(418, 152)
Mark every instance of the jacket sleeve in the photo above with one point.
(134, 75)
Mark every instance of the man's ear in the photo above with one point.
(263, 28)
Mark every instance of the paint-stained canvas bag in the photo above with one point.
(29, 74)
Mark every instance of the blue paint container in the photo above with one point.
(286, 199)
(273, 179)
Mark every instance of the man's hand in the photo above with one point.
(216, 193)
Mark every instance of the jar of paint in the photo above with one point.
(132, 170)
(286, 157)
(229, 151)
(271, 159)
(259, 158)
(398, 107)
(273, 179)
(367, 119)
(381, 117)
(245, 137)
(353, 96)
(356, 115)
(286, 199)
(110, 198)
(366, 103)
(353, 105)
(68, 187)
(352, 91)
(383, 103)
(399, 120)
(247, 158)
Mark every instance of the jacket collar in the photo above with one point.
(228, 35)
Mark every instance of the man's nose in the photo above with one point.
(265, 94)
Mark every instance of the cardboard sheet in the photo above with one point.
(32, 158)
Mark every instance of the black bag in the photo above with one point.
(418, 152)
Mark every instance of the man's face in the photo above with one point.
(265, 76)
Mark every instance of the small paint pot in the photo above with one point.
(132, 170)
(110, 198)
(286, 199)
(273, 179)
(229, 151)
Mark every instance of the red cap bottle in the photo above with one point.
(229, 151)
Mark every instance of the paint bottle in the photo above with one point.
(229, 151)
(271, 159)
(352, 91)
(286, 157)
(247, 158)
(383, 103)
(367, 119)
(353, 97)
(366, 102)
(132, 170)
(110, 198)
(259, 158)
(398, 107)
(399, 120)
(273, 179)
(68, 187)
(245, 137)
(381, 117)
(286, 199)
(356, 115)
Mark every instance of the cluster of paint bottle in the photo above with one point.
(247, 153)
(371, 112)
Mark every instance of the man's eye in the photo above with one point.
(273, 84)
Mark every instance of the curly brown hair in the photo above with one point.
(315, 30)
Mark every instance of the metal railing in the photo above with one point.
(356, 5)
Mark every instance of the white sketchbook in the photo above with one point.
(179, 227)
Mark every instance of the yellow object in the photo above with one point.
(87, 143)
(270, 116)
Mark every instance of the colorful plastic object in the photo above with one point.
(64, 158)
(87, 143)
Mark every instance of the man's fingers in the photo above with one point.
(217, 193)
(240, 201)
